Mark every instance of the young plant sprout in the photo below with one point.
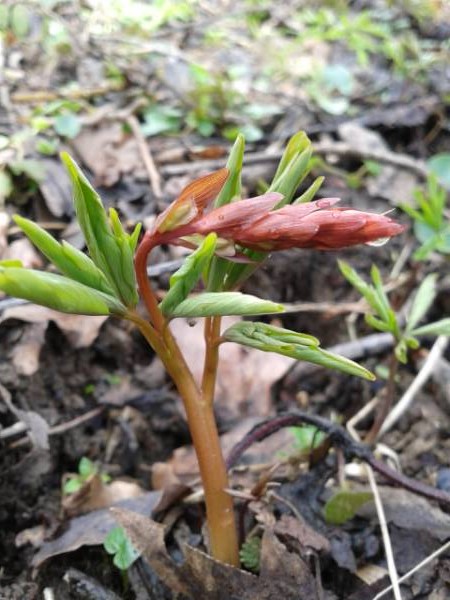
(229, 242)
(383, 318)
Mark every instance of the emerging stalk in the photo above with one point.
(198, 405)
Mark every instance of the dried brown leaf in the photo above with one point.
(95, 494)
(81, 330)
(91, 529)
(283, 575)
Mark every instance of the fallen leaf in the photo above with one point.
(109, 153)
(291, 528)
(91, 529)
(245, 375)
(25, 354)
(37, 426)
(56, 189)
(24, 251)
(81, 330)
(409, 511)
(95, 494)
(283, 575)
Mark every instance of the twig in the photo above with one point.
(419, 566)
(425, 372)
(385, 534)
(63, 427)
(40, 96)
(152, 171)
(338, 437)
(332, 308)
(342, 149)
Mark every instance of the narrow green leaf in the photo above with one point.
(309, 194)
(423, 300)
(109, 246)
(289, 180)
(211, 304)
(183, 281)
(367, 291)
(230, 191)
(344, 505)
(298, 142)
(57, 292)
(441, 327)
(295, 345)
(70, 261)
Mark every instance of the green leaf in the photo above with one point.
(344, 505)
(57, 292)
(161, 119)
(86, 467)
(295, 345)
(441, 327)
(46, 146)
(307, 437)
(20, 20)
(439, 164)
(289, 180)
(250, 553)
(230, 191)
(118, 544)
(309, 194)
(70, 261)
(109, 246)
(212, 304)
(72, 485)
(6, 185)
(183, 281)
(367, 291)
(67, 125)
(296, 145)
(423, 300)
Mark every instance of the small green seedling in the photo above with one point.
(431, 225)
(86, 469)
(119, 546)
(344, 505)
(250, 553)
(384, 318)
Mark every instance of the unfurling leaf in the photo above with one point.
(110, 248)
(344, 505)
(218, 304)
(230, 191)
(183, 281)
(288, 343)
(57, 292)
(70, 261)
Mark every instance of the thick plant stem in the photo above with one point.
(140, 265)
(212, 333)
(200, 416)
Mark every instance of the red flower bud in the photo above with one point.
(253, 224)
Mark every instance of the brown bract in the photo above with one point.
(192, 201)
